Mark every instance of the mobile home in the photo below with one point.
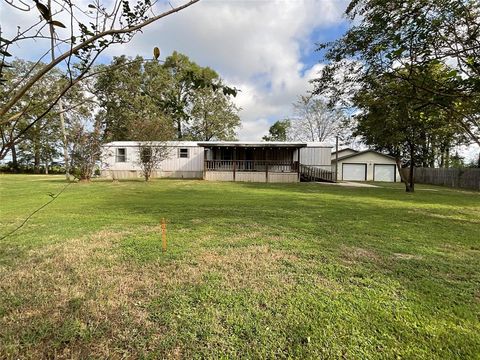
(222, 160)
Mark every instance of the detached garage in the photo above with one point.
(367, 165)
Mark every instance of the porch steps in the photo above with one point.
(311, 173)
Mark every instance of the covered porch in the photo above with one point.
(252, 162)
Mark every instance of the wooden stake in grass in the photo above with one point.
(164, 235)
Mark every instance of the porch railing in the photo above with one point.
(251, 165)
(311, 173)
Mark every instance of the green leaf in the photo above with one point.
(6, 41)
(156, 53)
(57, 23)
(5, 53)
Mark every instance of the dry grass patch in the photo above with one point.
(254, 267)
(401, 256)
(81, 297)
(352, 254)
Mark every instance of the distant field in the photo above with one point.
(252, 271)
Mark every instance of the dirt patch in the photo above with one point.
(401, 256)
(253, 266)
(81, 297)
(353, 254)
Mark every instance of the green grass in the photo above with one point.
(252, 271)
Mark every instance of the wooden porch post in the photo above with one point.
(234, 162)
(298, 163)
(336, 158)
(266, 165)
(204, 163)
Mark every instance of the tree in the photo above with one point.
(40, 145)
(213, 116)
(122, 101)
(394, 117)
(278, 131)
(390, 35)
(192, 98)
(90, 30)
(177, 93)
(151, 154)
(314, 120)
(86, 148)
(37, 140)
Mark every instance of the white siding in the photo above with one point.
(173, 166)
(370, 159)
(314, 156)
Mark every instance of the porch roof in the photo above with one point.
(253, 144)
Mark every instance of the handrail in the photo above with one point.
(312, 173)
(251, 165)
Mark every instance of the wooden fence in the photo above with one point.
(456, 178)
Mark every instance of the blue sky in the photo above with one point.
(265, 48)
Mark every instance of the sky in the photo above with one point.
(266, 48)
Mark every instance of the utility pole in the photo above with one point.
(60, 104)
(336, 158)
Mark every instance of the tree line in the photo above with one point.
(128, 99)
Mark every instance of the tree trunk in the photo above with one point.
(46, 166)
(411, 186)
(36, 160)
(402, 175)
(179, 129)
(14, 159)
(60, 105)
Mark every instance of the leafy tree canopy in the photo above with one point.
(387, 36)
(192, 99)
(278, 131)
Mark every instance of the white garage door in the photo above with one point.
(384, 172)
(354, 172)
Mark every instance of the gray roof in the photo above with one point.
(253, 144)
(339, 151)
(363, 152)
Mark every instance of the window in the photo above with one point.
(183, 153)
(121, 155)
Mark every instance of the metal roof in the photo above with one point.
(259, 144)
(360, 153)
(344, 149)
(136, 143)
(252, 144)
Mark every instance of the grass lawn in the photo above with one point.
(252, 271)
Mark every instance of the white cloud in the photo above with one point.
(256, 46)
